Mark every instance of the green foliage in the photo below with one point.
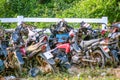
(95, 9)
(60, 9)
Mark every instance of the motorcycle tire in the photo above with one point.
(99, 59)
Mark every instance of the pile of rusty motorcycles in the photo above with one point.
(27, 49)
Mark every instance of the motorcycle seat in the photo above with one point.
(88, 43)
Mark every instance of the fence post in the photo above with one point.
(20, 20)
(105, 21)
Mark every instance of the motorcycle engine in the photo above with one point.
(75, 59)
(2, 66)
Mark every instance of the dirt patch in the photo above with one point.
(116, 72)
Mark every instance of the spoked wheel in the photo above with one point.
(98, 58)
(17, 65)
(44, 65)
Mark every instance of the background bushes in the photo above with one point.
(60, 9)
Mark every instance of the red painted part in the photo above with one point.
(103, 32)
(23, 51)
(105, 48)
(65, 46)
(43, 48)
(45, 38)
(115, 30)
(71, 33)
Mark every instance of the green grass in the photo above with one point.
(84, 74)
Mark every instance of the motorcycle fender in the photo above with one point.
(106, 54)
(50, 61)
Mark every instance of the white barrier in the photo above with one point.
(46, 31)
(19, 19)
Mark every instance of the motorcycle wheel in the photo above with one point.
(44, 65)
(99, 59)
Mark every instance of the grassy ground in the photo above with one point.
(83, 74)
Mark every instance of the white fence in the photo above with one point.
(19, 19)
